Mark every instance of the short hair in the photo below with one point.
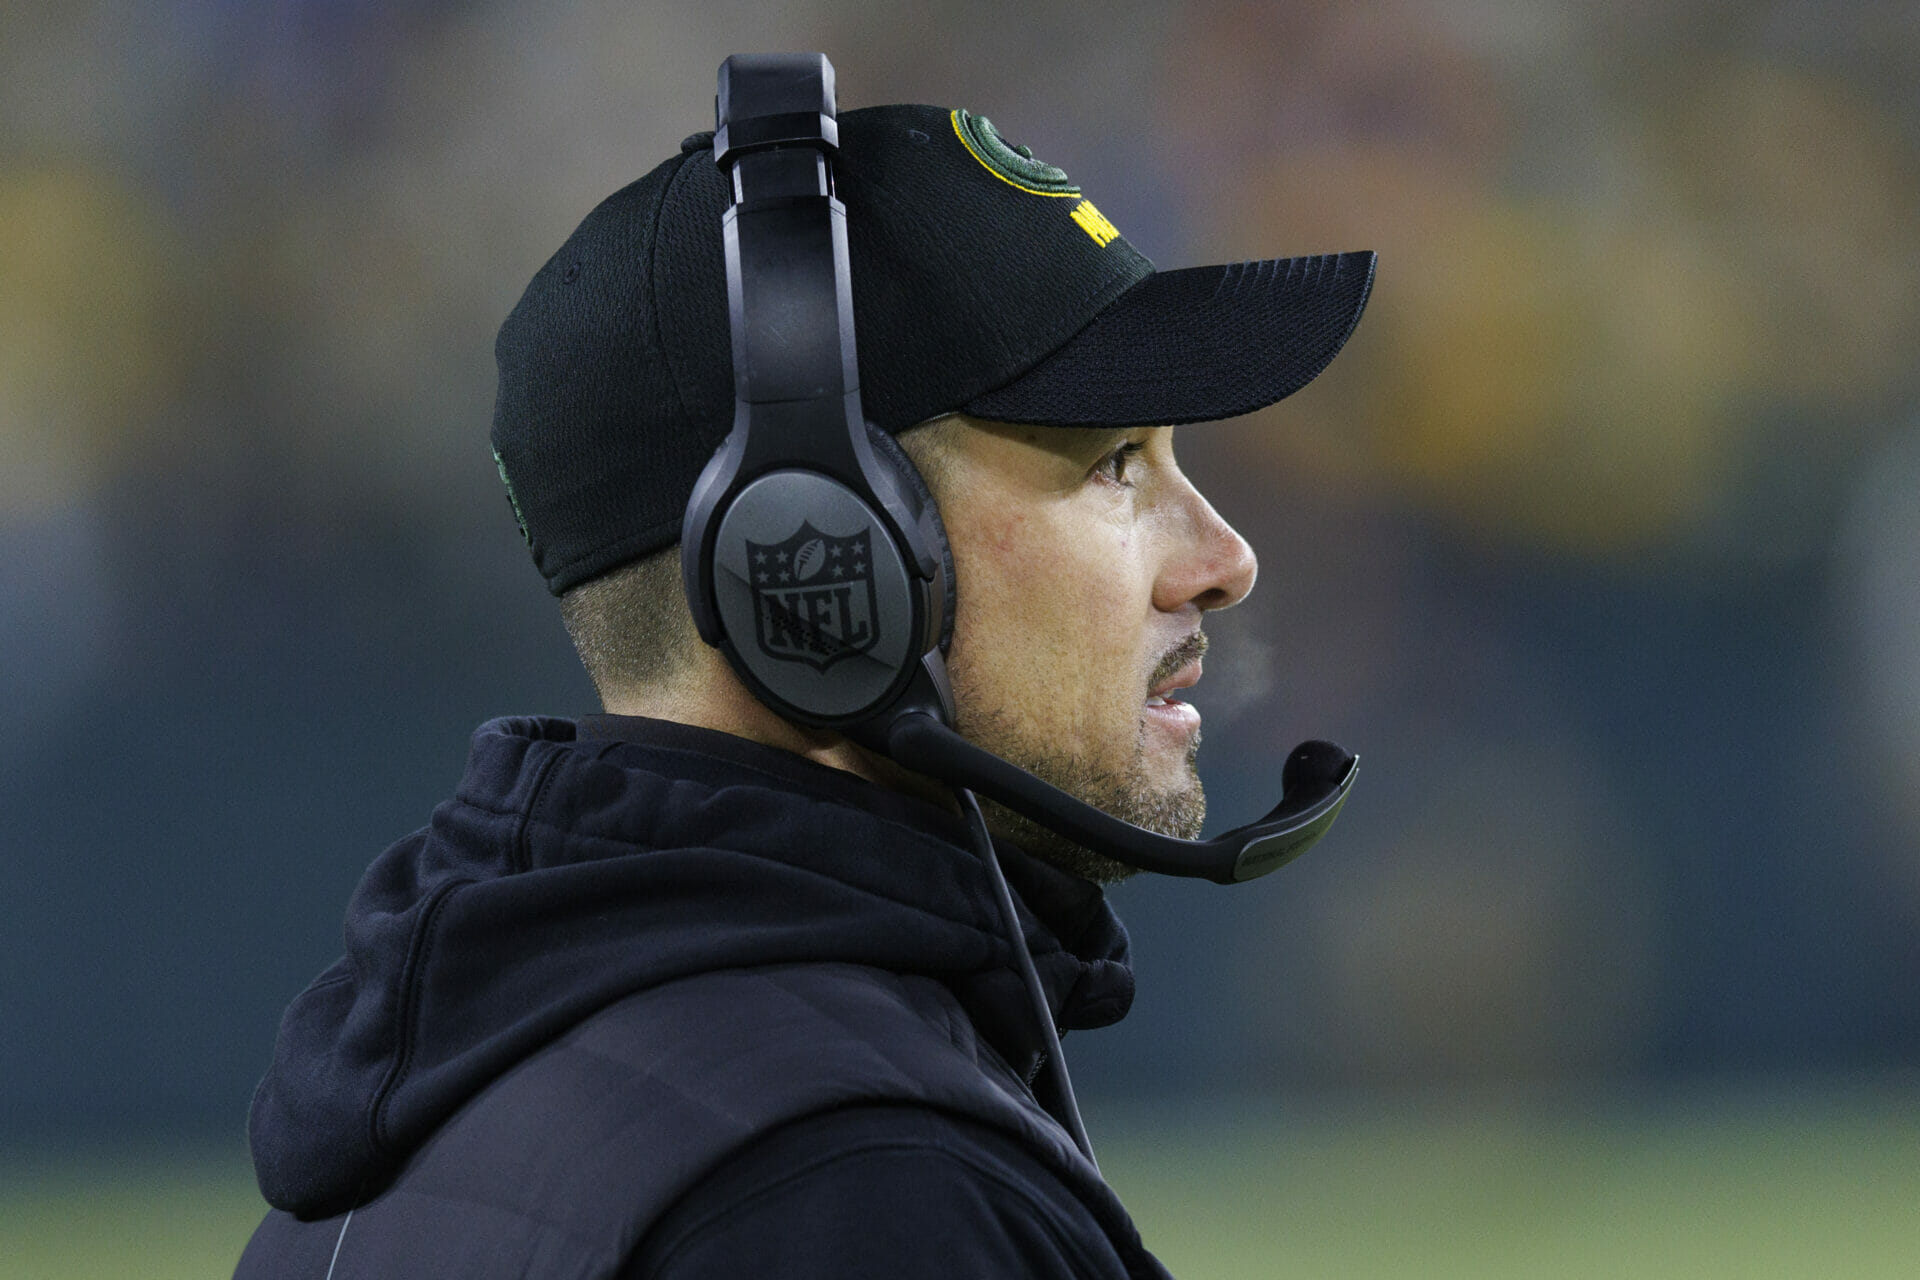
(631, 625)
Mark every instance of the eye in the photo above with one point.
(1114, 466)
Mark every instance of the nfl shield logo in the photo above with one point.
(813, 598)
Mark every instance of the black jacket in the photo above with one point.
(645, 999)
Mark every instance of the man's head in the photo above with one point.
(984, 285)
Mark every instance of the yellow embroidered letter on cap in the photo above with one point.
(1094, 223)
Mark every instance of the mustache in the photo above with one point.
(1187, 651)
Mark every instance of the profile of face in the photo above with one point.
(1085, 561)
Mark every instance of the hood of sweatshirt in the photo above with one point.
(581, 862)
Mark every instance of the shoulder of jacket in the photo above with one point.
(880, 1189)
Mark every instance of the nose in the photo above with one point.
(1212, 566)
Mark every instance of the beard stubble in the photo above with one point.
(1125, 792)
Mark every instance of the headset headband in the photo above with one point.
(808, 558)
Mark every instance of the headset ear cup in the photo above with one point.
(910, 476)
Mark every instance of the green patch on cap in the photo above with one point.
(1012, 165)
(499, 464)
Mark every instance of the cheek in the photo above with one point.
(1048, 615)
(1002, 589)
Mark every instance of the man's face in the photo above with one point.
(1085, 560)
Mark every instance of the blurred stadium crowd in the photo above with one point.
(1600, 543)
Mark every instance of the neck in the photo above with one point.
(706, 693)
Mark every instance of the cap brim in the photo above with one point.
(1193, 345)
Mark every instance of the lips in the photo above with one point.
(1185, 678)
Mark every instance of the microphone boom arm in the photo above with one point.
(1314, 785)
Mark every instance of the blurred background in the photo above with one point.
(1600, 544)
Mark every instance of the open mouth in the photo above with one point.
(1180, 669)
(1185, 678)
(1182, 719)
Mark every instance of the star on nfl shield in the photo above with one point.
(813, 597)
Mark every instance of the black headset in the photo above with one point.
(812, 552)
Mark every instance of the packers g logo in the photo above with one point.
(1013, 165)
(1016, 167)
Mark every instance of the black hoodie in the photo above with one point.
(648, 996)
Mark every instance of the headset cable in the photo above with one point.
(1054, 1070)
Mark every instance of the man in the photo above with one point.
(687, 989)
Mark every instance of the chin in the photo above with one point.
(1172, 767)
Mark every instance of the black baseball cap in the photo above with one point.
(984, 282)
